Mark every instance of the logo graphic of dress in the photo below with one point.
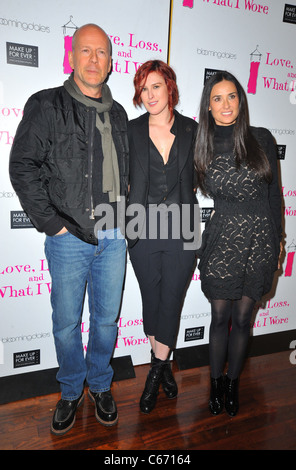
(68, 43)
(188, 3)
(254, 68)
(290, 259)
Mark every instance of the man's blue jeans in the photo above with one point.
(73, 264)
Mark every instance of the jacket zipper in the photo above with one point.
(91, 156)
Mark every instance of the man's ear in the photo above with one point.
(71, 61)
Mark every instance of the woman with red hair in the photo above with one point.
(162, 184)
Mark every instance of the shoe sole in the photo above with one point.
(98, 418)
(64, 431)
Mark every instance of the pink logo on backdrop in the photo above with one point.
(255, 58)
(188, 3)
(290, 259)
(68, 31)
(249, 5)
(272, 65)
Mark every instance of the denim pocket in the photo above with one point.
(61, 235)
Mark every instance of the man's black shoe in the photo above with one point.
(106, 411)
(64, 416)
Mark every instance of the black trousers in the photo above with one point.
(163, 269)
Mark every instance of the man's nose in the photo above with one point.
(93, 57)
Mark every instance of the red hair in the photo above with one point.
(169, 77)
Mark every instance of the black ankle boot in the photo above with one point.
(150, 393)
(168, 382)
(216, 402)
(231, 396)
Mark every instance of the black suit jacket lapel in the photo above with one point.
(141, 142)
(184, 133)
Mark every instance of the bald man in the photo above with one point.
(69, 159)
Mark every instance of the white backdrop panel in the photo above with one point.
(33, 42)
(229, 35)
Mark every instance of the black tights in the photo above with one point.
(235, 341)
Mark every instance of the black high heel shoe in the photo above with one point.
(150, 393)
(231, 396)
(216, 403)
(168, 382)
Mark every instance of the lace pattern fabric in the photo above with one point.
(239, 249)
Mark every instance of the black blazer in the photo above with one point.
(138, 134)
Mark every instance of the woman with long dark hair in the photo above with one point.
(236, 166)
(161, 179)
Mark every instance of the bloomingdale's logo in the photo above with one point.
(24, 25)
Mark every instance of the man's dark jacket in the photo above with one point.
(51, 161)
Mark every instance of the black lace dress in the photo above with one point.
(240, 245)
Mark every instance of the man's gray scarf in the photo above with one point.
(111, 184)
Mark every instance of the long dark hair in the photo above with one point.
(246, 148)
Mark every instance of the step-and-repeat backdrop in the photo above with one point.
(253, 39)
